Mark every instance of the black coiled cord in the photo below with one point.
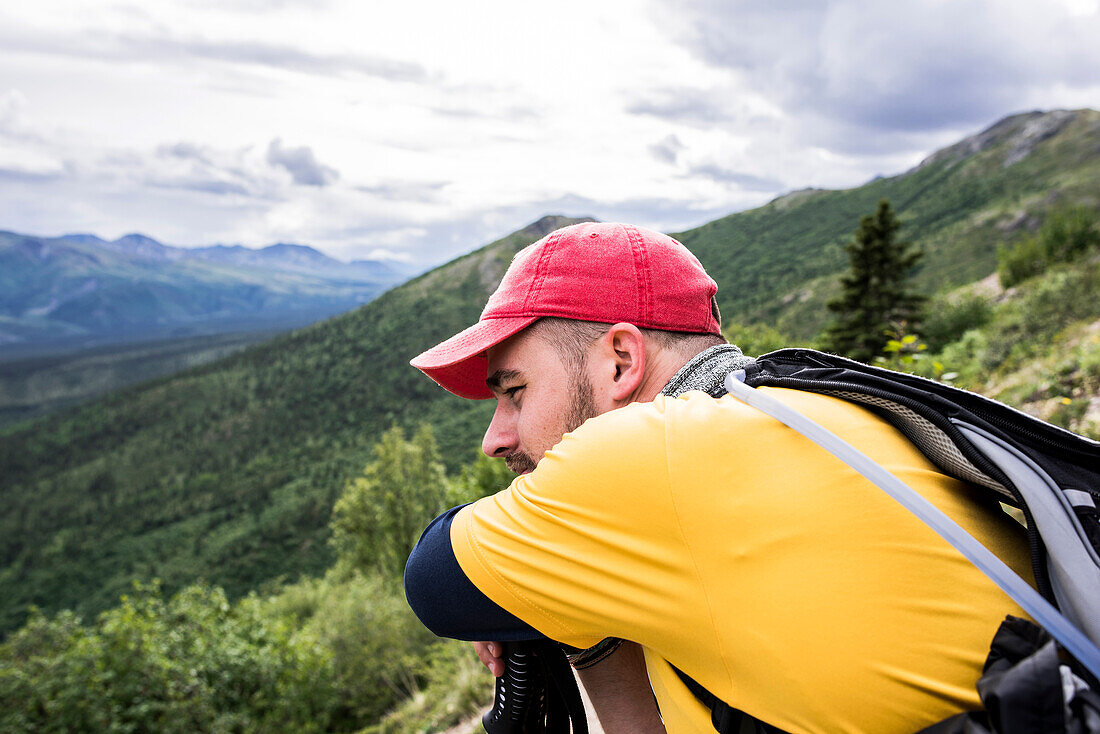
(537, 692)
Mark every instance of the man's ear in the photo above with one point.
(624, 353)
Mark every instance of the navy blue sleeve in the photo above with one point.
(446, 601)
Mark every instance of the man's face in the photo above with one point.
(539, 399)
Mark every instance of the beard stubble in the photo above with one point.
(582, 406)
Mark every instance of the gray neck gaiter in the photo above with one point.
(707, 371)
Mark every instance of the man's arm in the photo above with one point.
(446, 601)
(619, 689)
(617, 686)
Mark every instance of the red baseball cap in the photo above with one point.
(595, 271)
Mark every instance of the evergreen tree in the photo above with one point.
(876, 302)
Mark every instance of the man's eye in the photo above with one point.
(513, 392)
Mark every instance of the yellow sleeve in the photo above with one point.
(588, 545)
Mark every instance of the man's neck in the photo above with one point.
(662, 366)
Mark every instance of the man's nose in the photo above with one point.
(500, 437)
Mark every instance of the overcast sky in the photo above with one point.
(424, 129)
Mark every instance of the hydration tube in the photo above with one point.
(1042, 611)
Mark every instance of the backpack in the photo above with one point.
(1050, 475)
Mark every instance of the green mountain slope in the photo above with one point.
(778, 263)
(229, 472)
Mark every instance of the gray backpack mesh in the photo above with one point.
(933, 443)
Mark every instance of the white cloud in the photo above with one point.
(174, 51)
(427, 128)
(381, 253)
(862, 66)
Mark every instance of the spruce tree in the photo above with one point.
(876, 301)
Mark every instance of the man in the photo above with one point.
(705, 533)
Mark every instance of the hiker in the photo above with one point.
(702, 532)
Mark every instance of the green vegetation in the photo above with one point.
(875, 296)
(455, 687)
(756, 339)
(381, 514)
(336, 653)
(191, 663)
(1045, 320)
(1037, 348)
(229, 471)
(949, 316)
(1065, 236)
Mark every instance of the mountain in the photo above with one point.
(84, 238)
(279, 255)
(80, 287)
(137, 246)
(228, 472)
(300, 258)
(777, 264)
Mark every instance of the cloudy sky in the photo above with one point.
(424, 129)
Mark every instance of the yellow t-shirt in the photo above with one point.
(762, 566)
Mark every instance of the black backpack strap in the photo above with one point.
(565, 710)
(725, 718)
(1024, 690)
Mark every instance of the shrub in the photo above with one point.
(1069, 233)
(481, 477)
(1026, 326)
(375, 642)
(1068, 413)
(192, 663)
(1017, 264)
(968, 356)
(949, 318)
(456, 686)
(756, 339)
(1065, 235)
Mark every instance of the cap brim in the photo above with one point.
(459, 364)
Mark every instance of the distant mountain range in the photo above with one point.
(284, 257)
(84, 289)
(228, 472)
